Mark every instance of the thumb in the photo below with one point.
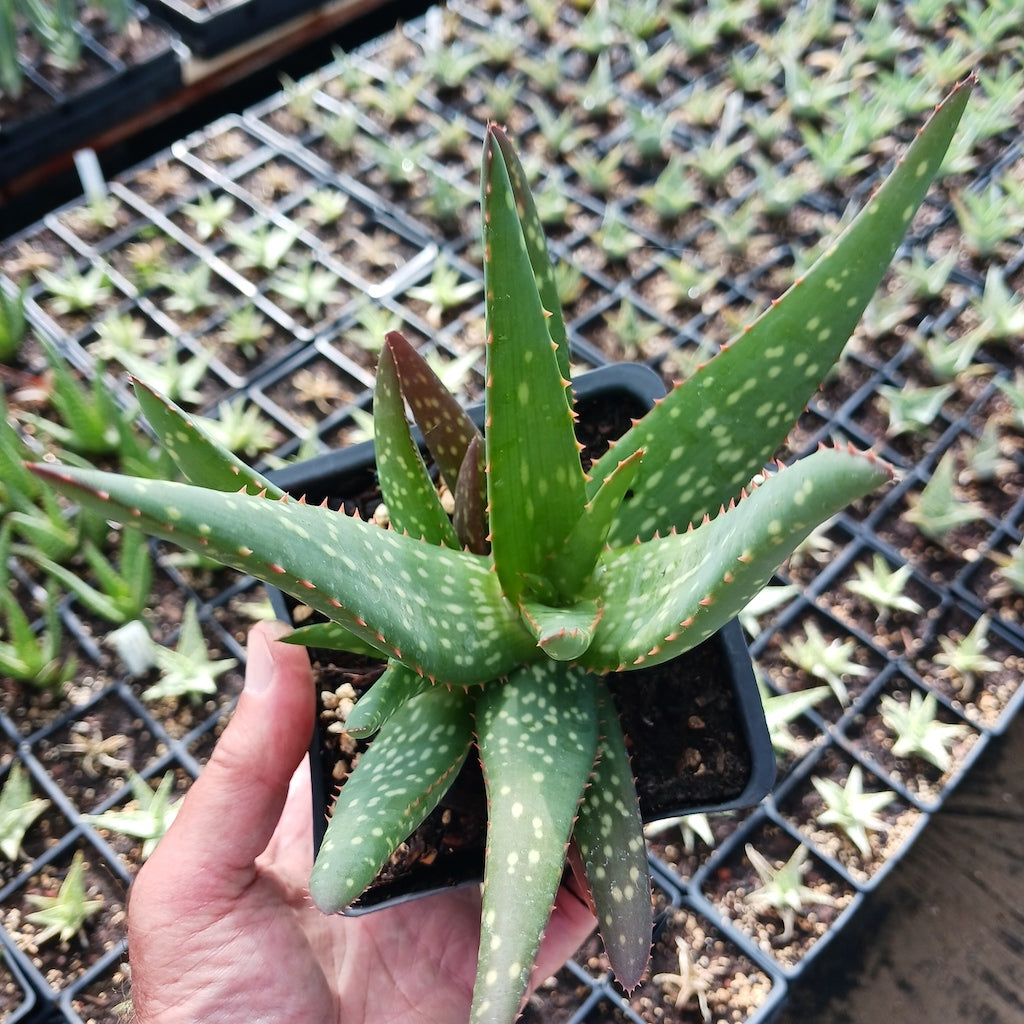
(232, 809)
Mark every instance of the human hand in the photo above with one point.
(221, 928)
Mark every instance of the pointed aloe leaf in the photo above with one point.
(446, 427)
(576, 563)
(470, 515)
(663, 597)
(413, 504)
(201, 459)
(396, 686)
(562, 633)
(535, 483)
(396, 784)
(536, 247)
(537, 733)
(609, 834)
(714, 432)
(330, 636)
(438, 611)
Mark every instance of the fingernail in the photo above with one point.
(259, 667)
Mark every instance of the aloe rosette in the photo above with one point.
(499, 623)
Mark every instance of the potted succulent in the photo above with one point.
(695, 725)
(500, 624)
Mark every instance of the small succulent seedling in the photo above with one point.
(308, 287)
(964, 657)
(91, 420)
(327, 205)
(54, 24)
(918, 731)
(94, 752)
(849, 808)
(261, 248)
(649, 128)
(241, 427)
(31, 652)
(246, 329)
(1013, 392)
(187, 670)
(147, 817)
(149, 260)
(936, 511)
(189, 290)
(689, 981)
(120, 333)
(782, 888)
(208, 213)
(884, 587)
(600, 174)
(177, 380)
(988, 217)
(75, 291)
(782, 708)
(831, 661)
(116, 590)
(768, 600)
(445, 291)
(633, 330)
(63, 915)
(499, 622)
(984, 458)
(18, 810)
(913, 410)
(1011, 567)
(926, 277)
(691, 827)
(616, 239)
(672, 193)
(999, 308)
(948, 357)
(31, 510)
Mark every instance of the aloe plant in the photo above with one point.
(498, 623)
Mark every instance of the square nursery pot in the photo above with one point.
(120, 74)
(695, 725)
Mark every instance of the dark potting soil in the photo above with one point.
(704, 760)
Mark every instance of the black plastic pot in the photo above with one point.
(225, 24)
(46, 121)
(695, 725)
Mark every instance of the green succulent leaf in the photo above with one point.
(470, 515)
(562, 633)
(18, 810)
(535, 482)
(201, 459)
(330, 636)
(537, 732)
(395, 785)
(536, 246)
(715, 431)
(396, 686)
(438, 611)
(610, 837)
(590, 534)
(663, 597)
(413, 504)
(62, 916)
(446, 427)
